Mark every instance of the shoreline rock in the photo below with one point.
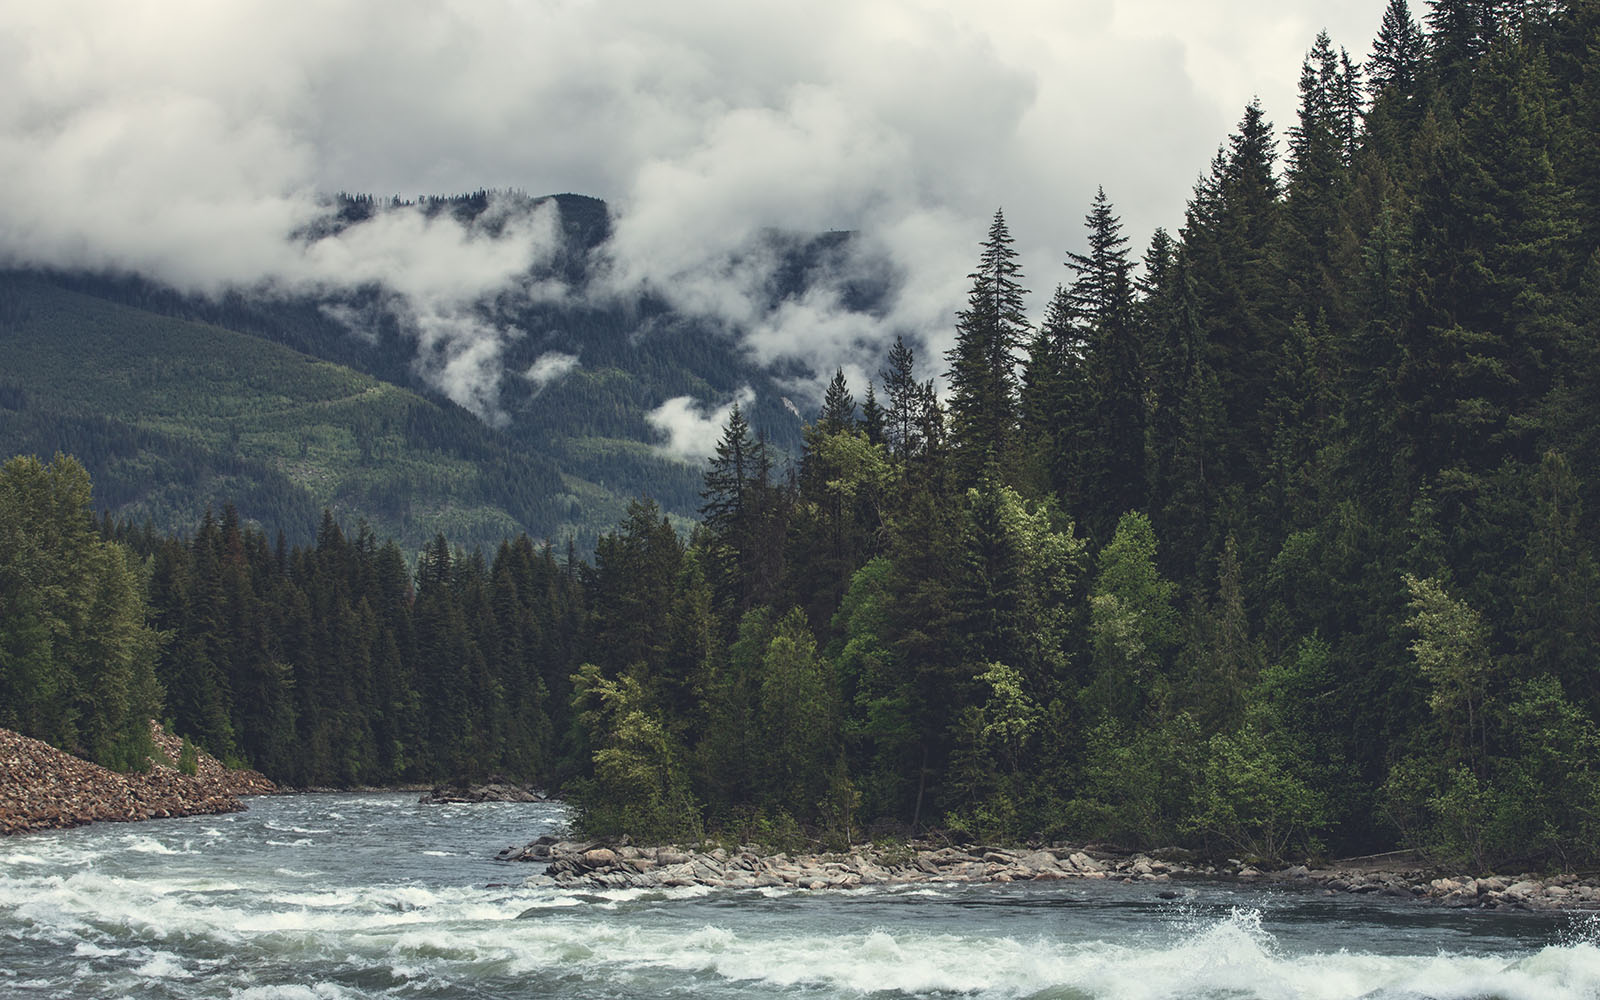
(607, 865)
(494, 790)
(42, 788)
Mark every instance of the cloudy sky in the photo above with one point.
(188, 139)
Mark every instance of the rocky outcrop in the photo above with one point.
(627, 866)
(494, 790)
(622, 866)
(43, 788)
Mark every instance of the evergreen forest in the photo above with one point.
(1276, 537)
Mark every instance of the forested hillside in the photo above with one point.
(1279, 536)
(213, 412)
(174, 416)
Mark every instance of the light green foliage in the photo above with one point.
(1137, 782)
(1023, 569)
(1015, 600)
(857, 469)
(996, 748)
(188, 759)
(1452, 651)
(1009, 716)
(1132, 625)
(1538, 803)
(797, 717)
(1551, 776)
(879, 728)
(639, 784)
(1250, 798)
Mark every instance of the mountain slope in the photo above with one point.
(171, 416)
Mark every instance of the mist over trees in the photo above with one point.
(1275, 537)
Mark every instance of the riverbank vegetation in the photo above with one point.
(1278, 539)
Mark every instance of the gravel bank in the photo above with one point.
(42, 788)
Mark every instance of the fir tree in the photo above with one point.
(982, 373)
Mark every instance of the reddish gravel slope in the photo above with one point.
(43, 788)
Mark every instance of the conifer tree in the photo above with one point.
(982, 373)
(1397, 53)
(873, 420)
(838, 406)
(1114, 372)
(904, 392)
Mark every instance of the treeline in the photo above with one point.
(325, 664)
(1279, 539)
(1281, 536)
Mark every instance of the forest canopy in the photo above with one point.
(1276, 538)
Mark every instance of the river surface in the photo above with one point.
(325, 897)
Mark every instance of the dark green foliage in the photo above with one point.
(1332, 449)
(77, 655)
(982, 373)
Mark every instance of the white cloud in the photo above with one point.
(550, 367)
(190, 140)
(693, 428)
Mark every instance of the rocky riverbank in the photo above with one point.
(494, 790)
(43, 788)
(619, 866)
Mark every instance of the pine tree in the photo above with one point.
(1459, 34)
(982, 373)
(1397, 53)
(1102, 295)
(873, 420)
(838, 406)
(904, 392)
(1239, 290)
(745, 515)
(1314, 238)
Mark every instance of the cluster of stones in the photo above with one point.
(492, 791)
(1526, 892)
(598, 866)
(43, 788)
(594, 865)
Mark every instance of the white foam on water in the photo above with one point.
(440, 854)
(88, 949)
(319, 991)
(303, 830)
(163, 965)
(1234, 957)
(149, 845)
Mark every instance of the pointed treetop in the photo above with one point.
(838, 406)
(1098, 273)
(1396, 53)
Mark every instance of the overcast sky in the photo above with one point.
(187, 140)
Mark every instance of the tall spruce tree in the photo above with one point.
(982, 374)
(1114, 438)
(1395, 67)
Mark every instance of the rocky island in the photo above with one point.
(622, 865)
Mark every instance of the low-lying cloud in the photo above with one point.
(692, 428)
(549, 368)
(196, 142)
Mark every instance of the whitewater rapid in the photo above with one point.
(346, 896)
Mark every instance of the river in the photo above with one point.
(332, 896)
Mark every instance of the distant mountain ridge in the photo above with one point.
(178, 401)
